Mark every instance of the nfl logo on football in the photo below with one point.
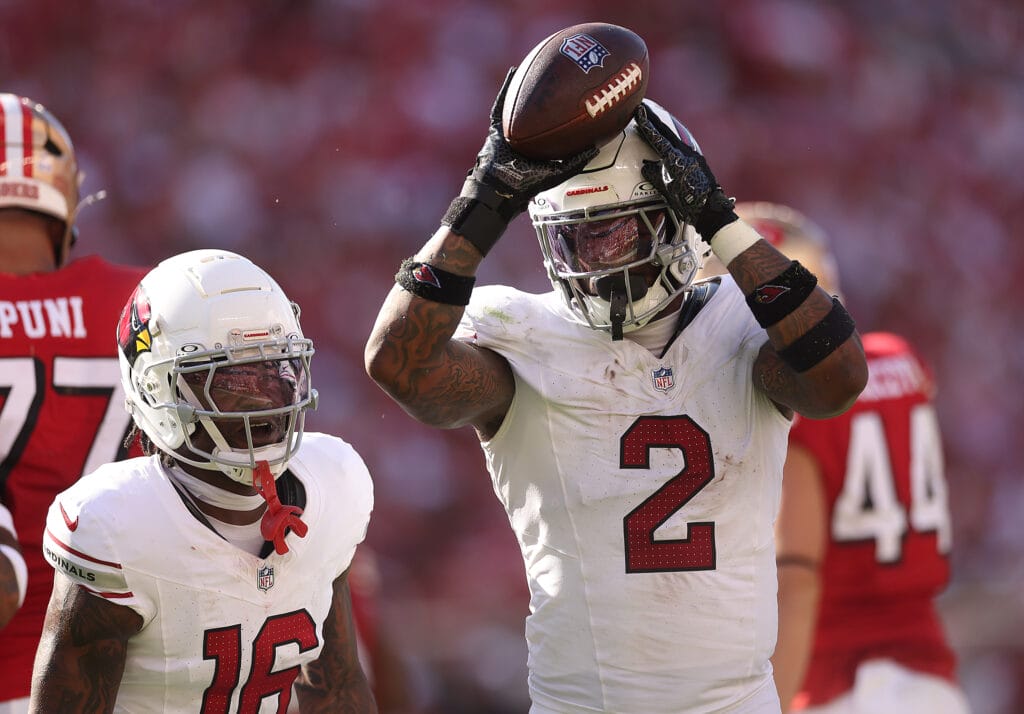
(662, 379)
(585, 51)
(265, 578)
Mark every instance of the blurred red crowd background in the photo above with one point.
(325, 138)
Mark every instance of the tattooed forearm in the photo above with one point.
(760, 264)
(833, 383)
(452, 252)
(412, 355)
(757, 264)
(335, 682)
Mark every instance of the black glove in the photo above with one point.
(683, 177)
(501, 183)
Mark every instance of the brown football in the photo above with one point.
(576, 89)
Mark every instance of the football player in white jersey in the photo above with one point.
(634, 423)
(211, 575)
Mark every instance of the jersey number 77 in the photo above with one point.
(22, 384)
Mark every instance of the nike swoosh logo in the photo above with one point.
(71, 524)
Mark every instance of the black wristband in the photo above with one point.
(774, 299)
(430, 283)
(821, 340)
(476, 222)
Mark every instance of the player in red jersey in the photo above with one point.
(379, 649)
(864, 532)
(61, 403)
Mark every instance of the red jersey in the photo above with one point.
(61, 415)
(888, 524)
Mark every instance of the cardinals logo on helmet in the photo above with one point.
(133, 327)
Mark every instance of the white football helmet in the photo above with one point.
(612, 246)
(38, 169)
(205, 333)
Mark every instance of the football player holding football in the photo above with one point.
(634, 423)
(864, 531)
(210, 575)
(61, 410)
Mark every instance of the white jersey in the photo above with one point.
(643, 493)
(221, 627)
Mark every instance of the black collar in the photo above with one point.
(695, 301)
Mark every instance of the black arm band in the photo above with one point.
(474, 221)
(480, 214)
(430, 283)
(821, 340)
(773, 300)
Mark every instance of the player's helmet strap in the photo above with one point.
(698, 298)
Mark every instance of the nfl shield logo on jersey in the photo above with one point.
(662, 378)
(265, 578)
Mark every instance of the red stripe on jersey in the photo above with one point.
(109, 596)
(80, 554)
(26, 141)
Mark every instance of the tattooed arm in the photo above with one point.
(829, 387)
(833, 369)
(82, 652)
(411, 354)
(335, 681)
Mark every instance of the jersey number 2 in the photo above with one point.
(644, 554)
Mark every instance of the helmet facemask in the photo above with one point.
(612, 246)
(244, 406)
(618, 267)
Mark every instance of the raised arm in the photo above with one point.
(411, 352)
(440, 381)
(335, 681)
(82, 652)
(813, 362)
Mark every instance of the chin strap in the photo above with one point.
(613, 289)
(617, 313)
(279, 517)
